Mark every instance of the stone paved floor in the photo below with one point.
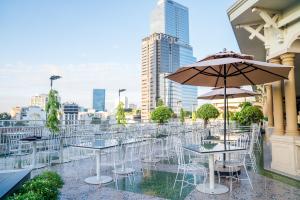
(75, 187)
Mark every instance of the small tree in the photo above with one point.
(52, 110)
(245, 104)
(207, 112)
(120, 116)
(161, 114)
(160, 102)
(182, 115)
(249, 115)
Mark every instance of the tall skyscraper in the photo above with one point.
(172, 19)
(160, 56)
(99, 99)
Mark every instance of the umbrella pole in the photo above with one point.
(225, 114)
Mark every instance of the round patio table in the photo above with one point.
(98, 179)
(211, 150)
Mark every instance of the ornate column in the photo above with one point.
(290, 96)
(269, 105)
(277, 104)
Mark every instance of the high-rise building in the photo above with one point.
(99, 99)
(39, 100)
(172, 19)
(70, 113)
(160, 56)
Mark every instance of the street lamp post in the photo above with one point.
(52, 78)
(121, 90)
(178, 102)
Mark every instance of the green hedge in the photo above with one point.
(42, 187)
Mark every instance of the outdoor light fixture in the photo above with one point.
(52, 78)
(121, 90)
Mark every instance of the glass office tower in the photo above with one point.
(172, 19)
(99, 99)
(160, 56)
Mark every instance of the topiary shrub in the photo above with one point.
(161, 114)
(207, 112)
(249, 115)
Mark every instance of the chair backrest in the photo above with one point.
(179, 151)
(243, 141)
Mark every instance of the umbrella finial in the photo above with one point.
(224, 50)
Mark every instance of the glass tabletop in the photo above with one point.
(212, 147)
(106, 143)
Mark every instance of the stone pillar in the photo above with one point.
(277, 104)
(269, 106)
(290, 96)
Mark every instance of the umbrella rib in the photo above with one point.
(234, 74)
(237, 72)
(258, 68)
(214, 70)
(243, 74)
(228, 69)
(207, 73)
(220, 69)
(199, 72)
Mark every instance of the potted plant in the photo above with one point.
(161, 115)
(207, 112)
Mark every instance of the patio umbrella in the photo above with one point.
(234, 92)
(229, 69)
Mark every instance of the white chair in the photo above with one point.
(120, 161)
(187, 168)
(238, 159)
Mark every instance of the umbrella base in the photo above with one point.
(224, 171)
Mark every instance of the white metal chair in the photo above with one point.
(238, 159)
(186, 168)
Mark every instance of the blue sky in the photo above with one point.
(92, 44)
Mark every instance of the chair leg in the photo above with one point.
(182, 182)
(231, 174)
(176, 178)
(116, 181)
(248, 176)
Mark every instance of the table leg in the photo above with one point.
(61, 150)
(212, 188)
(98, 179)
(211, 172)
(33, 154)
(98, 167)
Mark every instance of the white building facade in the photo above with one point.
(270, 30)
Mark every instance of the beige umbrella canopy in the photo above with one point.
(218, 93)
(229, 69)
(237, 69)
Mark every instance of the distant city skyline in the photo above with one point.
(83, 43)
